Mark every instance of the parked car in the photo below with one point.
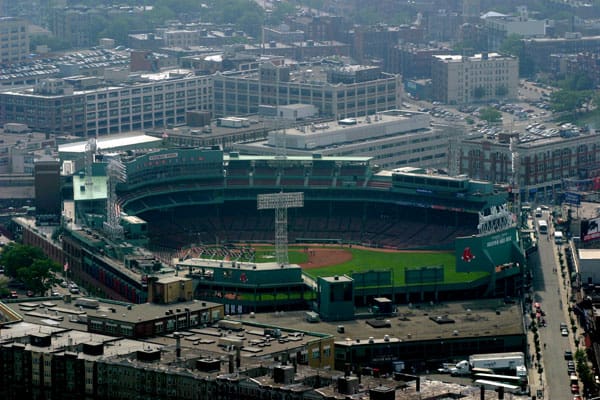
(574, 388)
(568, 355)
(564, 332)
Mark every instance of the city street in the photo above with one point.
(548, 290)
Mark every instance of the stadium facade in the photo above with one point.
(174, 202)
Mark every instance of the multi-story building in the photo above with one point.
(14, 40)
(480, 78)
(145, 101)
(442, 24)
(544, 163)
(72, 25)
(18, 146)
(320, 27)
(299, 51)
(359, 91)
(500, 26)
(587, 64)
(373, 41)
(540, 50)
(392, 139)
(282, 34)
(413, 62)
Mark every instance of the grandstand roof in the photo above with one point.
(202, 262)
(228, 157)
(113, 142)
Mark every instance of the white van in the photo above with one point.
(558, 237)
(538, 212)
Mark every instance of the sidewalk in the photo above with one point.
(537, 381)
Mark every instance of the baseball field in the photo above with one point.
(317, 260)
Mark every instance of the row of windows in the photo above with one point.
(203, 83)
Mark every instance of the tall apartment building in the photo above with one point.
(341, 92)
(147, 101)
(544, 162)
(480, 78)
(48, 203)
(73, 25)
(14, 40)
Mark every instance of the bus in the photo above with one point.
(543, 226)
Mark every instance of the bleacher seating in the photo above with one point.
(384, 226)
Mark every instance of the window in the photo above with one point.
(316, 354)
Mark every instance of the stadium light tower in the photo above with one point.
(280, 202)
(116, 173)
(515, 165)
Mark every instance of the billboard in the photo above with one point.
(572, 198)
(590, 229)
(485, 252)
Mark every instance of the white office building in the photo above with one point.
(483, 77)
(392, 138)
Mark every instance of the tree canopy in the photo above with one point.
(30, 265)
(568, 100)
(491, 115)
(514, 46)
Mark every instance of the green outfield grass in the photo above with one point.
(371, 260)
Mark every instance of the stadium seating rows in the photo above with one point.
(385, 231)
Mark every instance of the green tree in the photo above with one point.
(30, 265)
(491, 115)
(568, 100)
(39, 277)
(577, 82)
(16, 256)
(53, 43)
(280, 11)
(514, 46)
(4, 291)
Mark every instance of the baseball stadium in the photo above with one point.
(409, 235)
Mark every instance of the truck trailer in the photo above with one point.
(497, 361)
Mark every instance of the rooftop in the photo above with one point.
(74, 341)
(71, 315)
(589, 254)
(111, 142)
(475, 58)
(332, 136)
(207, 263)
(415, 323)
